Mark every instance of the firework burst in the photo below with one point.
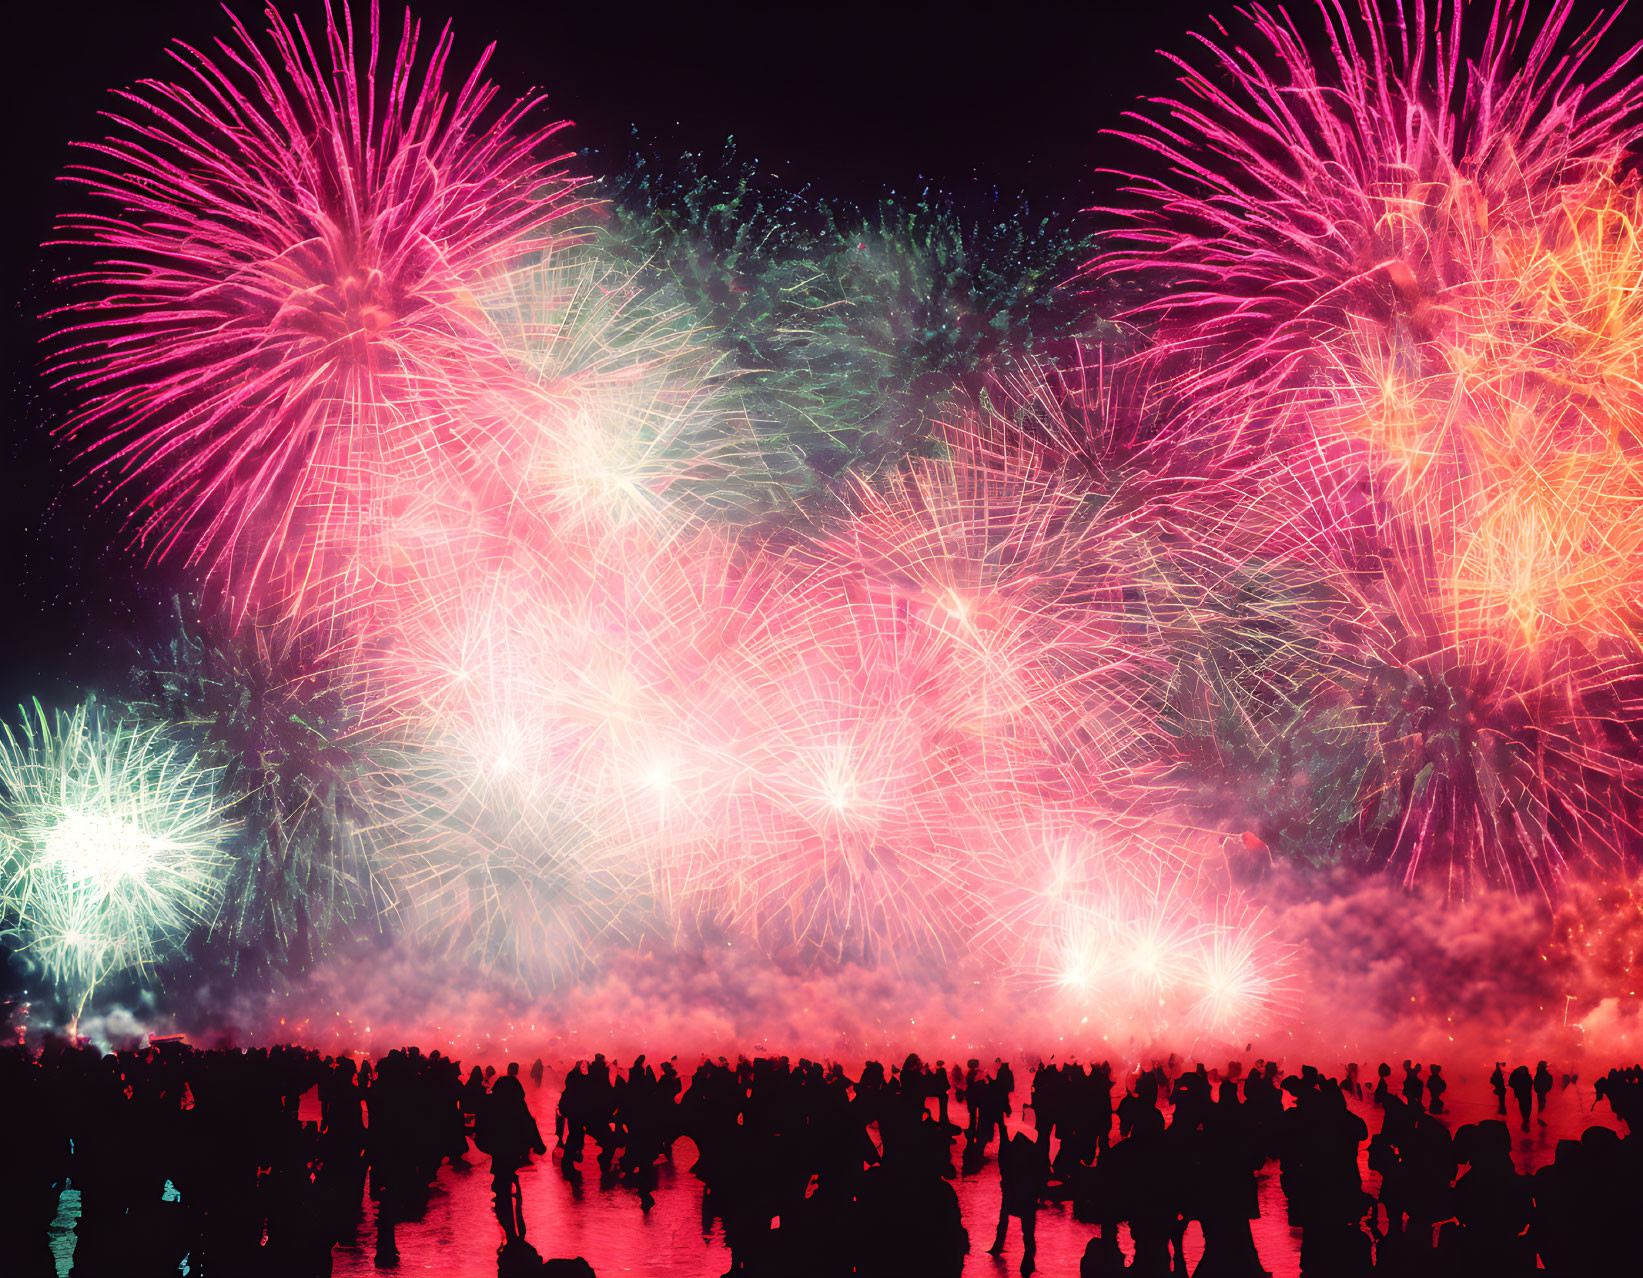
(1355, 715)
(492, 869)
(633, 417)
(971, 640)
(283, 309)
(1397, 273)
(1038, 578)
(1121, 920)
(842, 808)
(1400, 345)
(1305, 200)
(589, 669)
(277, 716)
(1486, 767)
(801, 738)
(113, 843)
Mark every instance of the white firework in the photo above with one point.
(113, 843)
(630, 415)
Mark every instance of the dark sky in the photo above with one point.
(852, 101)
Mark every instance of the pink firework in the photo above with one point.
(1121, 921)
(840, 823)
(972, 643)
(599, 669)
(1397, 315)
(1489, 766)
(1306, 203)
(282, 314)
(812, 744)
(1038, 580)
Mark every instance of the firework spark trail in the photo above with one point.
(1519, 428)
(959, 647)
(1403, 325)
(1037, 578)
(627, 700)
(499, 873)
(585, 672)
(842, 811)
(1430, 294)
(630, 414)
(271, 710)
(806, 742)
(1416, 744)
(496, 861)
(112, 844)
(1301, 193)
(1502, 771)
(1116, 920)
(285, 311)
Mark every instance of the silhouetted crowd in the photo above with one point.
(812, 1174)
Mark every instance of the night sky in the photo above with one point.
(851, 101)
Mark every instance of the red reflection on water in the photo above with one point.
(458, 1235)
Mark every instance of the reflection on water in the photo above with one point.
(458, 1235)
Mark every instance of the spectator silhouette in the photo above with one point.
(1523, 1087)
(1414, 1087)
(507, 1132)
(1543, 1089)
(1023, 1168)
(1492, 1206)
(207, 1155)
(1436, 1086)
(1623, 1089)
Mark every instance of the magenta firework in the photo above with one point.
(288, 242)
(1303, 203)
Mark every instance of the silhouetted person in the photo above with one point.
(571, 1121)
(1436, 1086)
(394, 1141)
(1497, 1081)
(1146, 1181)
(507, 1132)
(972, 1073)
(1493, 1208)
(1023, 1168)
(341, 1176)
(1383, 1089)
(1414, 1087)
(1543, 1089)
(1523, 1087)
(940, 1087)
(988, 1106)
(1004, 1091)
(1623, 1089)
(473, 1097)
(205, 1154)
(1220, 1165)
